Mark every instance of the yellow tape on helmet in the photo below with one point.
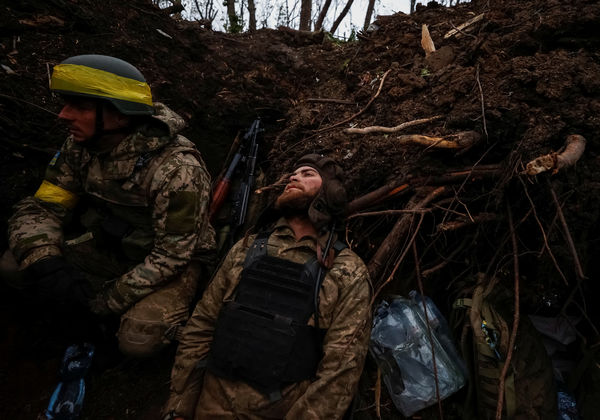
(51, 193)
(89, 81)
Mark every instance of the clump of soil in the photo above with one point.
(524, 77)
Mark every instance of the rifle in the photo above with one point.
(246, 156)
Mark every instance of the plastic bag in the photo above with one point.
(402, 348)
(67, 399)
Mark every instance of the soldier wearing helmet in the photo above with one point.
(142, 193)
(282, 330)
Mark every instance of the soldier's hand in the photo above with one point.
(99, 305)
(54, 279)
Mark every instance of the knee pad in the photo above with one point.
(144, 337)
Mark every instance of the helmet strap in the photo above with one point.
(99, 130)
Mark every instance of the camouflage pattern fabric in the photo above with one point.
(345, 313)
(154, 181)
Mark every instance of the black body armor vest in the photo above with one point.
(262, 337)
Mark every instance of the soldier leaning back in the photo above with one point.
(282, 330)
(142, 193)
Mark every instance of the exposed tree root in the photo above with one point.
(554, 161)
(377, 263)
(517, 315)
(459, 224)
(362, 110)
(381, 129)
(454, 141)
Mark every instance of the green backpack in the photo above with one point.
(484, 323)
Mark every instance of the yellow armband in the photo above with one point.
(51, 193)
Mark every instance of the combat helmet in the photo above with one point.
(104, 77)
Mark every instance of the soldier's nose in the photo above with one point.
(65, 113)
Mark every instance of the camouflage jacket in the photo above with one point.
(344, 309)
(154, 181)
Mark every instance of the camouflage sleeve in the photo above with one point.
(186, 376)
(35, 228)
(344, 348)
(180, 221)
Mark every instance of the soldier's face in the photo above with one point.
(80, 116)
(302, 188)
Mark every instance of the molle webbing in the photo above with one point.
(262, 337)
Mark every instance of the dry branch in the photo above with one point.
(362, 110)
(408, 246)
(387, 213)
(388, 190)
(429, 333)
(397, 186)
(568, 236)
(446, 260)
(454, 141)
(331, 100)
(458, 224)
(380, 129)
(460, 28)
(554, 161)
(516, 319)
(482, 102)
(390, 243)
(544, 235)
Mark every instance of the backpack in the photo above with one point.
(484, 323)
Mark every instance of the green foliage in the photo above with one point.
(234, 26)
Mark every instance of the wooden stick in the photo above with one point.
(454, 141)
(28, 103)
(544, 236)
(362, 110)
(390, 242)
(331, 100)
(387, 212)
(426, 41)
(455, 225)
(513, 334)
(400, 259)
(390, 189)
(460, 31)
(429, 334)
(567, 232)
(378, 394)
(482, 102)
(463, 26)
(446, 260)
(398, 186)
(381, 129)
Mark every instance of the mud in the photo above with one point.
(524, 77)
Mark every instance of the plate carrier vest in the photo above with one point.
(262, 337)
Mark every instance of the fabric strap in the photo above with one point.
(89, 81)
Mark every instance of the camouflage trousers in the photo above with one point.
(150, 324)
(155, 320)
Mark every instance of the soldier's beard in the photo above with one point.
(294, 202)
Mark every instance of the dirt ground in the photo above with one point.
(524, 77)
